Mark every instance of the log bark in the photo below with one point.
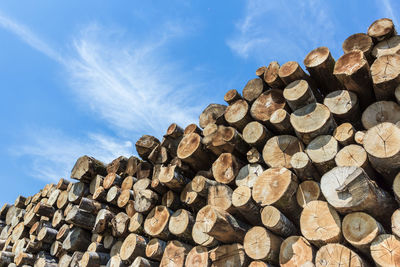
(156, 223)
(280, 122)
(112, 179)
(343, 105)
(173, 178)
(81, 218)
(271, 76)
(253, 89)
(145, 145)
(62, 184)
(385, 72)
(43, 209)
(379, 112)
(296, 251)
(103, 218)
(237, 114)
(191, 151)
(78, 190)
(243, 202)
(359, 41)
(256, 134)
(349, 189)
(86, 168)
(387, 47)
(303, 167)
(131, 166)
(77, 240)
(344, 134)
(232, 96)
(279, 150)
(396, 187)
(94, 259)
(382, 145)
(360, 229)
(120, 224)
(201, 184)
(353, 71)
(213, 113)
(261, 244)
(320, 224)
(298, 94)
(100, 195)
(311, 121)
(221, 225)
(191, 198)
(118, 165)
(171, 200)
(263, 107)
(229, 255)
(181, 224)
(322, 152)
(175, 254)
(47, 235)
(381, 29)
(307, 192)
(338, 255)
(133, 246)
(354, 155)
(320, 64)
(198, 256)
(277, 187)
(277, 222)
(155, 249)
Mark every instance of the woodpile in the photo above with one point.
(300, 169)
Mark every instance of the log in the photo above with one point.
(131, 166)
(76, 258)
(213, 113)
(52, 201)
(115, 261)
(120, 224)
(382, 145)
(387, 47)
(145, 145)
(277, 222)
(96, 183)
(343, 105)
(23, 258)
(100, 195)
(175, 254)
(263, 107)
(112, 179)
(232, 96)
(253, 89)
(65, 260)
(201, 184)
(118, 165)
(191, 198)
(243, 202)
(86, 168)
(359, 41)
(225, 168)
(78, 190)
(156, 223)
(360, 229)
(256, 134)
(322, 152)
(199, 232)
(248, 175)
(56, 249)
(20, 202)
(155, 249)
(229, 255)
(145, 201)
(181, 224)
(344, 134)
(303, 167)
(279, 150)
(296, 251)
(353, 71)
(191, 151)
(359, 137)
(128, 182)
(116, 248)
(385, 72)
(77, 240)
(130, 208)
(320, 64)
(63, 232)
(198, 256)
(338, 255)
(237, 114)
(44, 262)
(277, 187)
(124, 197)
(173, 178)
(253, 156)
(397, 94)
(349, 189)
(143, 262)
(93, 206)
(354, 155)
(62, 200)
(133, 246)
(94, 259)
(280, 122)
(171, 200)
(159, 155)
(261, 244)
(395, 223)
(192, 128)
(109, 241)
(43, 209)
(47, 235)
(30, 218)
(103, 218)
(222, 225)
(81, 218)
(311, 121)
(260, 264)
(113, 194)
(62, 184)
(298, 94)
(6, 257)
(307, 192)
(136, 224)
(396, 188)
(381, 29)
(221, 196)
(381, 111)
(271, 76)
(320, 224)
(260, 72)
(385, 250)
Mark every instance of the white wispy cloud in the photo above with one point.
(130, 85)
(286, 28)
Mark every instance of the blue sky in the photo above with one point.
(90, 77)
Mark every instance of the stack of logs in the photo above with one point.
(301, 169)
